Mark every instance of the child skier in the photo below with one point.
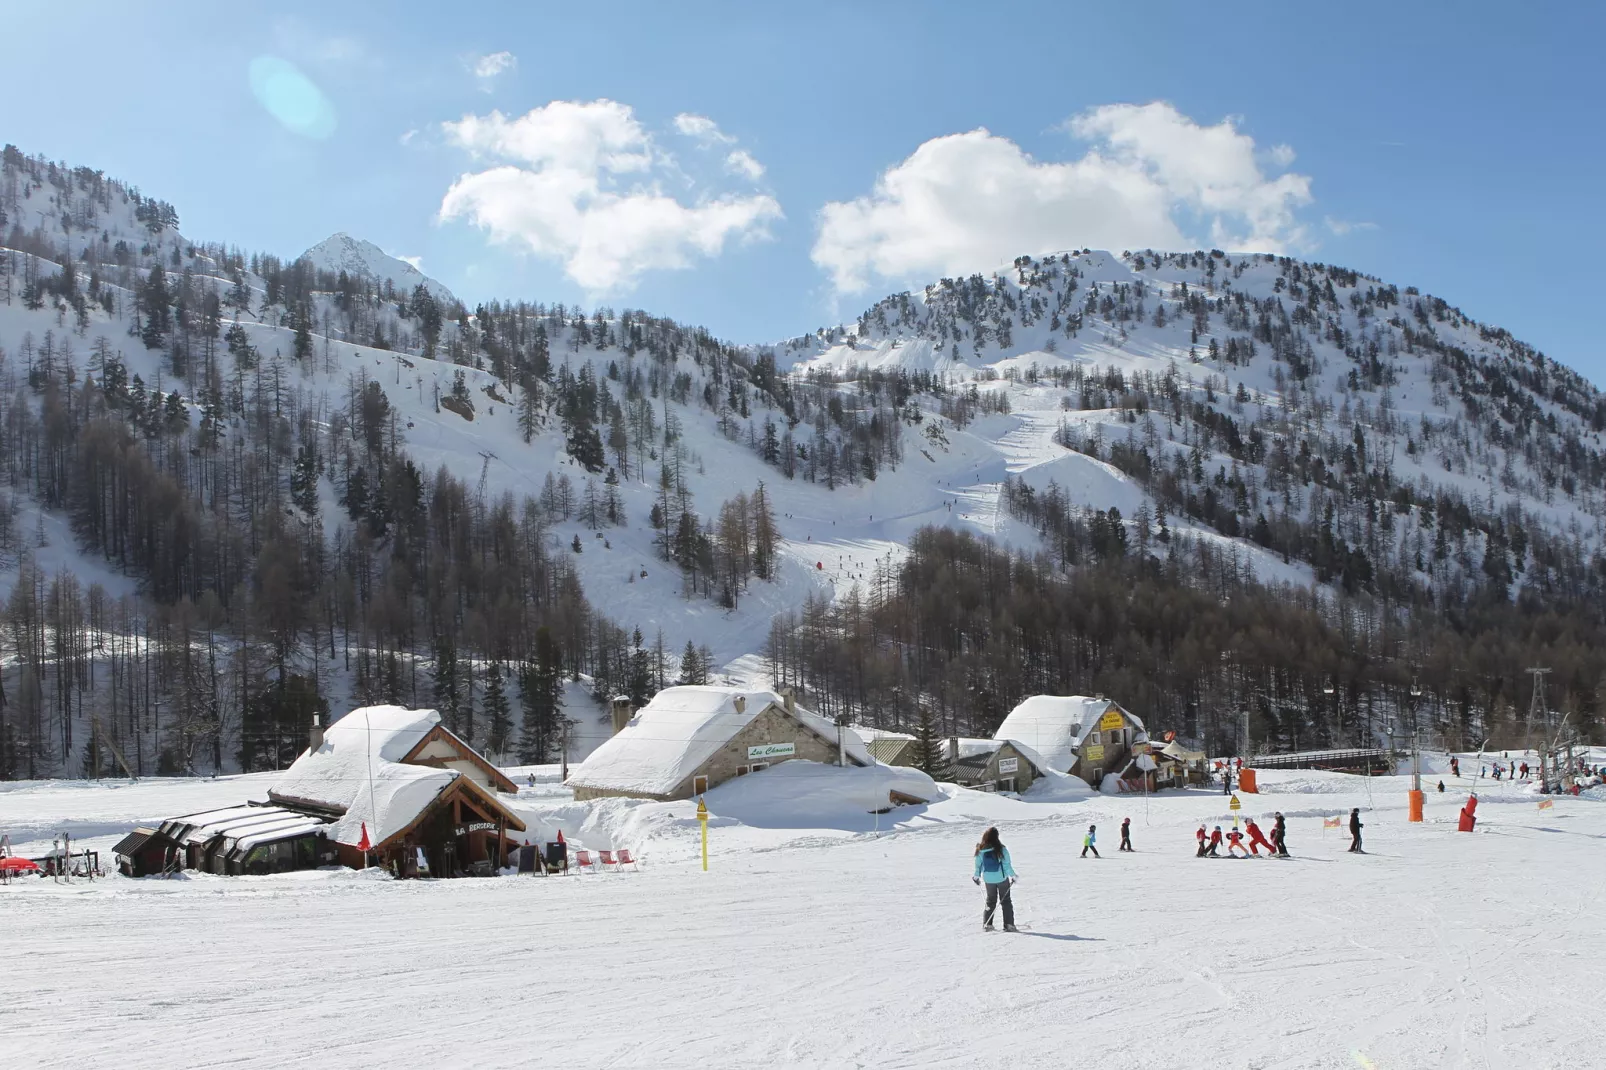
(1215, 842)
(1257, 839)
(1200, 836)
(1235, 842)
(1126, 834)
(1355, 827)
(1088, 842)
(993, 866)
(1279, 836)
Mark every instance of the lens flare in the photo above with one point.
(291, 97)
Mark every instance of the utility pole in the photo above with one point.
(565, 745)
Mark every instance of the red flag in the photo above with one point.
(560, 836)
(364, 846)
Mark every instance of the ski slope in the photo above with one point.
(852, 942)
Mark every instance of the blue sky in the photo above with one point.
(1455, 147)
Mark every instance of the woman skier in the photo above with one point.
(1126, 834)
(1088, 842)
(993, 866)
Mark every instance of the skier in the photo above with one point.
(1215, 842)
(1200, 836)
(1279, 836)
(994, 867)
(1441, 787)
(1355, 827)
(1088, 842)
(1525, 770)
(1235, 842)
(1126, 834)
(1257, 839)
(1455, 766)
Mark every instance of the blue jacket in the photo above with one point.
(991, 868)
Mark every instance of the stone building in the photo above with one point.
(690, 739)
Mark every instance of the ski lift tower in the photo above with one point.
(1538, 712)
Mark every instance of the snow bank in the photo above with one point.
(803, 794)
(679, 730)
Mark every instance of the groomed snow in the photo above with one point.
(679, 730)
(855, 942)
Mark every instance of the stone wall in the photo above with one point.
(770, 726)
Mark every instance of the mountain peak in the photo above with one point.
(356, 256)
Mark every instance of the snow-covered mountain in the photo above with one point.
(341, 252)
(1314, 425)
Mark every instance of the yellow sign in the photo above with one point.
(1093, 752)
(1111, 720)
(1235, 805)
(702, 819)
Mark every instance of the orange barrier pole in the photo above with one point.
(1417, 798)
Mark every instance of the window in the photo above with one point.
(1093, 737)
(1098, 777)
(1006, 784)
(699, 785)
(741, 770)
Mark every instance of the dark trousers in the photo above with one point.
(1355, 839)
(996, 892)
(1126, 842)
(1201, 852)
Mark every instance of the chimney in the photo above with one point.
(622, 712)
(741, 703)
(317, 733)
(953, 749)
(791, 702)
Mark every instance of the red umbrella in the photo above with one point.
(18, 865)
(364, 846)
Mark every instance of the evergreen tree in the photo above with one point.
(496, 711)
(541, 698)
(154, 302)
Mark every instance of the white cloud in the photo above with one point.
(416, 261)
(407, 137)
(1342, 227)
(741, 162)
(575, 181)
(1150, 178)
(702, 128)
(488, 66)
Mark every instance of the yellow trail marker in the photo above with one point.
(1235, 806)
(702, 818)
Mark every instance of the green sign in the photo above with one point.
(771, 750)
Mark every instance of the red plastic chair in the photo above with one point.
(626, 860)
(606, 858)
(582, 859)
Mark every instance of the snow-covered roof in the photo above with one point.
(1054, 727)
(357, 773)
(681, 728)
